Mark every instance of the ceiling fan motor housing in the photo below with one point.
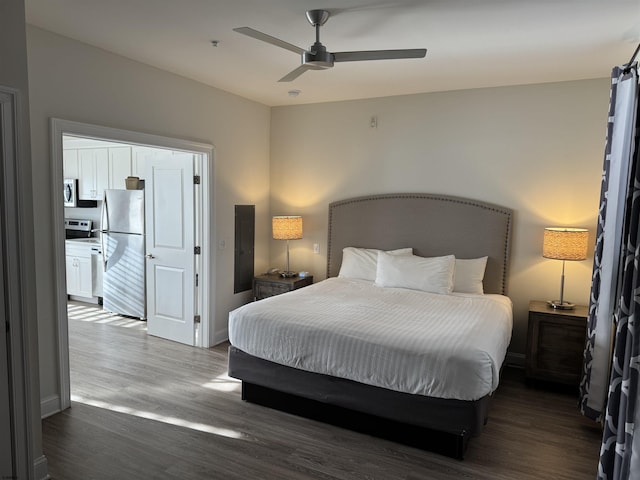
(317, 57)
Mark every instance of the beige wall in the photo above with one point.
(13, 75)
(536, 149)
(74, 81)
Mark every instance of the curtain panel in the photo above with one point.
(609, 387)
(607, 256)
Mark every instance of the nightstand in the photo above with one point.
(269, 285)
(555, 343)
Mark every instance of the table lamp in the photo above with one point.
(561, 243)
(287, 228)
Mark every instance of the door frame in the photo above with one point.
(204, 297)
(19, 339)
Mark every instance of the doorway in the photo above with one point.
(201, 204)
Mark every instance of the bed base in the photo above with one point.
(433, 424)
(447, 444)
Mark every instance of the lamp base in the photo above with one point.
(288, 274)
(558, 305)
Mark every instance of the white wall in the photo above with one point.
(75, 81)
(536, 149)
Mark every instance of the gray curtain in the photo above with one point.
(609, 387)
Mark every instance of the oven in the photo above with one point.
(77, 228)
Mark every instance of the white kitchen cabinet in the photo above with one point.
(139, 157)
(93, 172)
(70, 163)
(119, 166)
(79, 270)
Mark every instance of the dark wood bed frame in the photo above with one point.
(433, 225)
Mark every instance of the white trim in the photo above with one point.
(220, 336)
(50, 406)
(14, 293)
(60, 127)
(41, 468)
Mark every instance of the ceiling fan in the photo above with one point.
(317, 57)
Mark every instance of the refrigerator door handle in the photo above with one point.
(104, 215)
(104, 253)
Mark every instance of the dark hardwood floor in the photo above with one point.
(147, 408)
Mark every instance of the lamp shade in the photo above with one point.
(562, 243)
(287, 227)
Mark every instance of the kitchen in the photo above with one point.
(95, 171)
(91, 167)
(177, 185)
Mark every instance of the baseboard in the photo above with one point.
(41, 468)
(515, 359)
(220, 337)
(50, 406)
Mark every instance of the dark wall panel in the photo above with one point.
(245, 232)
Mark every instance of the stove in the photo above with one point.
(77, 228)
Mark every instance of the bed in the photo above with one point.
(287, 349)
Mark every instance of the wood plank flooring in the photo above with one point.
(147, 408)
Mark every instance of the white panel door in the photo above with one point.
(170, 233)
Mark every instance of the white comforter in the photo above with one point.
(445, 346)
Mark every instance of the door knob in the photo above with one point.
(148, 255)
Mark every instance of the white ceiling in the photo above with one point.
(471, 43)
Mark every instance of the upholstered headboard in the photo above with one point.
(433, 225)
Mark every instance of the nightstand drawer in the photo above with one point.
(265, 286)
(560, 347)
(269, 289)
(555, 343)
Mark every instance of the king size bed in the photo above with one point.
(405, 338)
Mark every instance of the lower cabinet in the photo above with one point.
(79, 276)
(80, 269)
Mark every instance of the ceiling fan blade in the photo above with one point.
(379, 55)
(250, 32)
(295, 73)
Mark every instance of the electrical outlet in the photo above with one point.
(316, 248)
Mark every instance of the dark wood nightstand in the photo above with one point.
(269, 285)
(555, 343)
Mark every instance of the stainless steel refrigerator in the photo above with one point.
(123, 249)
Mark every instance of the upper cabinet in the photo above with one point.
(119, 166)
(92, 173)
(139, 157)
(70, 164)
(97, 169)
(99, 165)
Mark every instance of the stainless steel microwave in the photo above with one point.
(70, 192)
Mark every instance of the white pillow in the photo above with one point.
(362, 262)
(433, 274)
(468, 275)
